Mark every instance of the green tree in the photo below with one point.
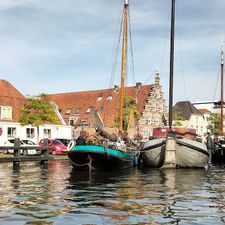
(130, 110)
(214, 124)
(177, 118)
(38, 111)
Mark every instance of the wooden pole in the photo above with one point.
(222, 68)
(16, 159)
(124, 61)
(171, 64)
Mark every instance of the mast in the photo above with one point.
(124, 62)
(221, 99)
(172, 31)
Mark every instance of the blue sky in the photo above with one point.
(52, 46)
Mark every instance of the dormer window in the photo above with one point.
(78, 110)
(88, 110)
(60, 110)
(68, 111)
(109, 98)
(5, 112)
(99, 98)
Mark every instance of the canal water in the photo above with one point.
(56, 194)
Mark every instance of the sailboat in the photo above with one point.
(218, 153)
(108, 155)
(173, 151)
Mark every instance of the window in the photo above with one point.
(83, 121)
(71, 121)
(78, 110)
(88, 110)
(146, 133)
(30, 132)
(11, 132)
(99, 98)
(109, 98)
(68, 111)
(6, 112)
(47, 133)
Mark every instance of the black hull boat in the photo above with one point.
(112, 154)
(92, 157)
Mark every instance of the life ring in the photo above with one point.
(70, 145)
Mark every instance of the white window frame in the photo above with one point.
(6, 112)
(47, 133)
(99, 98)
(68, 111)
(11, 132)
(88, 110)
(109, 98)
(30, 132)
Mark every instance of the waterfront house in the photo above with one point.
(11, 103)
(77, 108)
(191, 117)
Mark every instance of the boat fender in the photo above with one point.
(71, 145)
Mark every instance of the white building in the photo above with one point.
(11, 103)
(192, 117)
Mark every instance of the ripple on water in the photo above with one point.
(56, 194)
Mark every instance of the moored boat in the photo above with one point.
(173, 150)
(100, 157)
(108, 154)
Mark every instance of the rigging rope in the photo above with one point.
(113, 71)
(131, 49)
(216, 86)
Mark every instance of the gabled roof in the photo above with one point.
(10, 96)
(185, 109)
(105, 101)
(204, 111)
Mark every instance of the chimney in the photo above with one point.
(116, 88)
(138, 85)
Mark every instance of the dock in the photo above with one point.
(16, 157)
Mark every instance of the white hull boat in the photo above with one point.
(174, 153)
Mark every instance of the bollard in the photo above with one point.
(16, 159)
(45, 151)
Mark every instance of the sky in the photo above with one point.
(53, 46)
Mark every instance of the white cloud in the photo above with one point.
(57, 46)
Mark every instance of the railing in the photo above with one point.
(44, 151)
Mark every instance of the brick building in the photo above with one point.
(76, 107)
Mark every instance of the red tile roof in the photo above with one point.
(203, 111)
(10, 96)
(86, 99)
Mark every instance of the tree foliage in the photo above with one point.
(38, 111)
(177, 118)
(130, 110)
(214, 123)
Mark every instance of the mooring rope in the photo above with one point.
(89, 164)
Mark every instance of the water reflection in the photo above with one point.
(56, 193)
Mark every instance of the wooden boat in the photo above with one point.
(173, 151)
(100, 157)
(111, 154)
